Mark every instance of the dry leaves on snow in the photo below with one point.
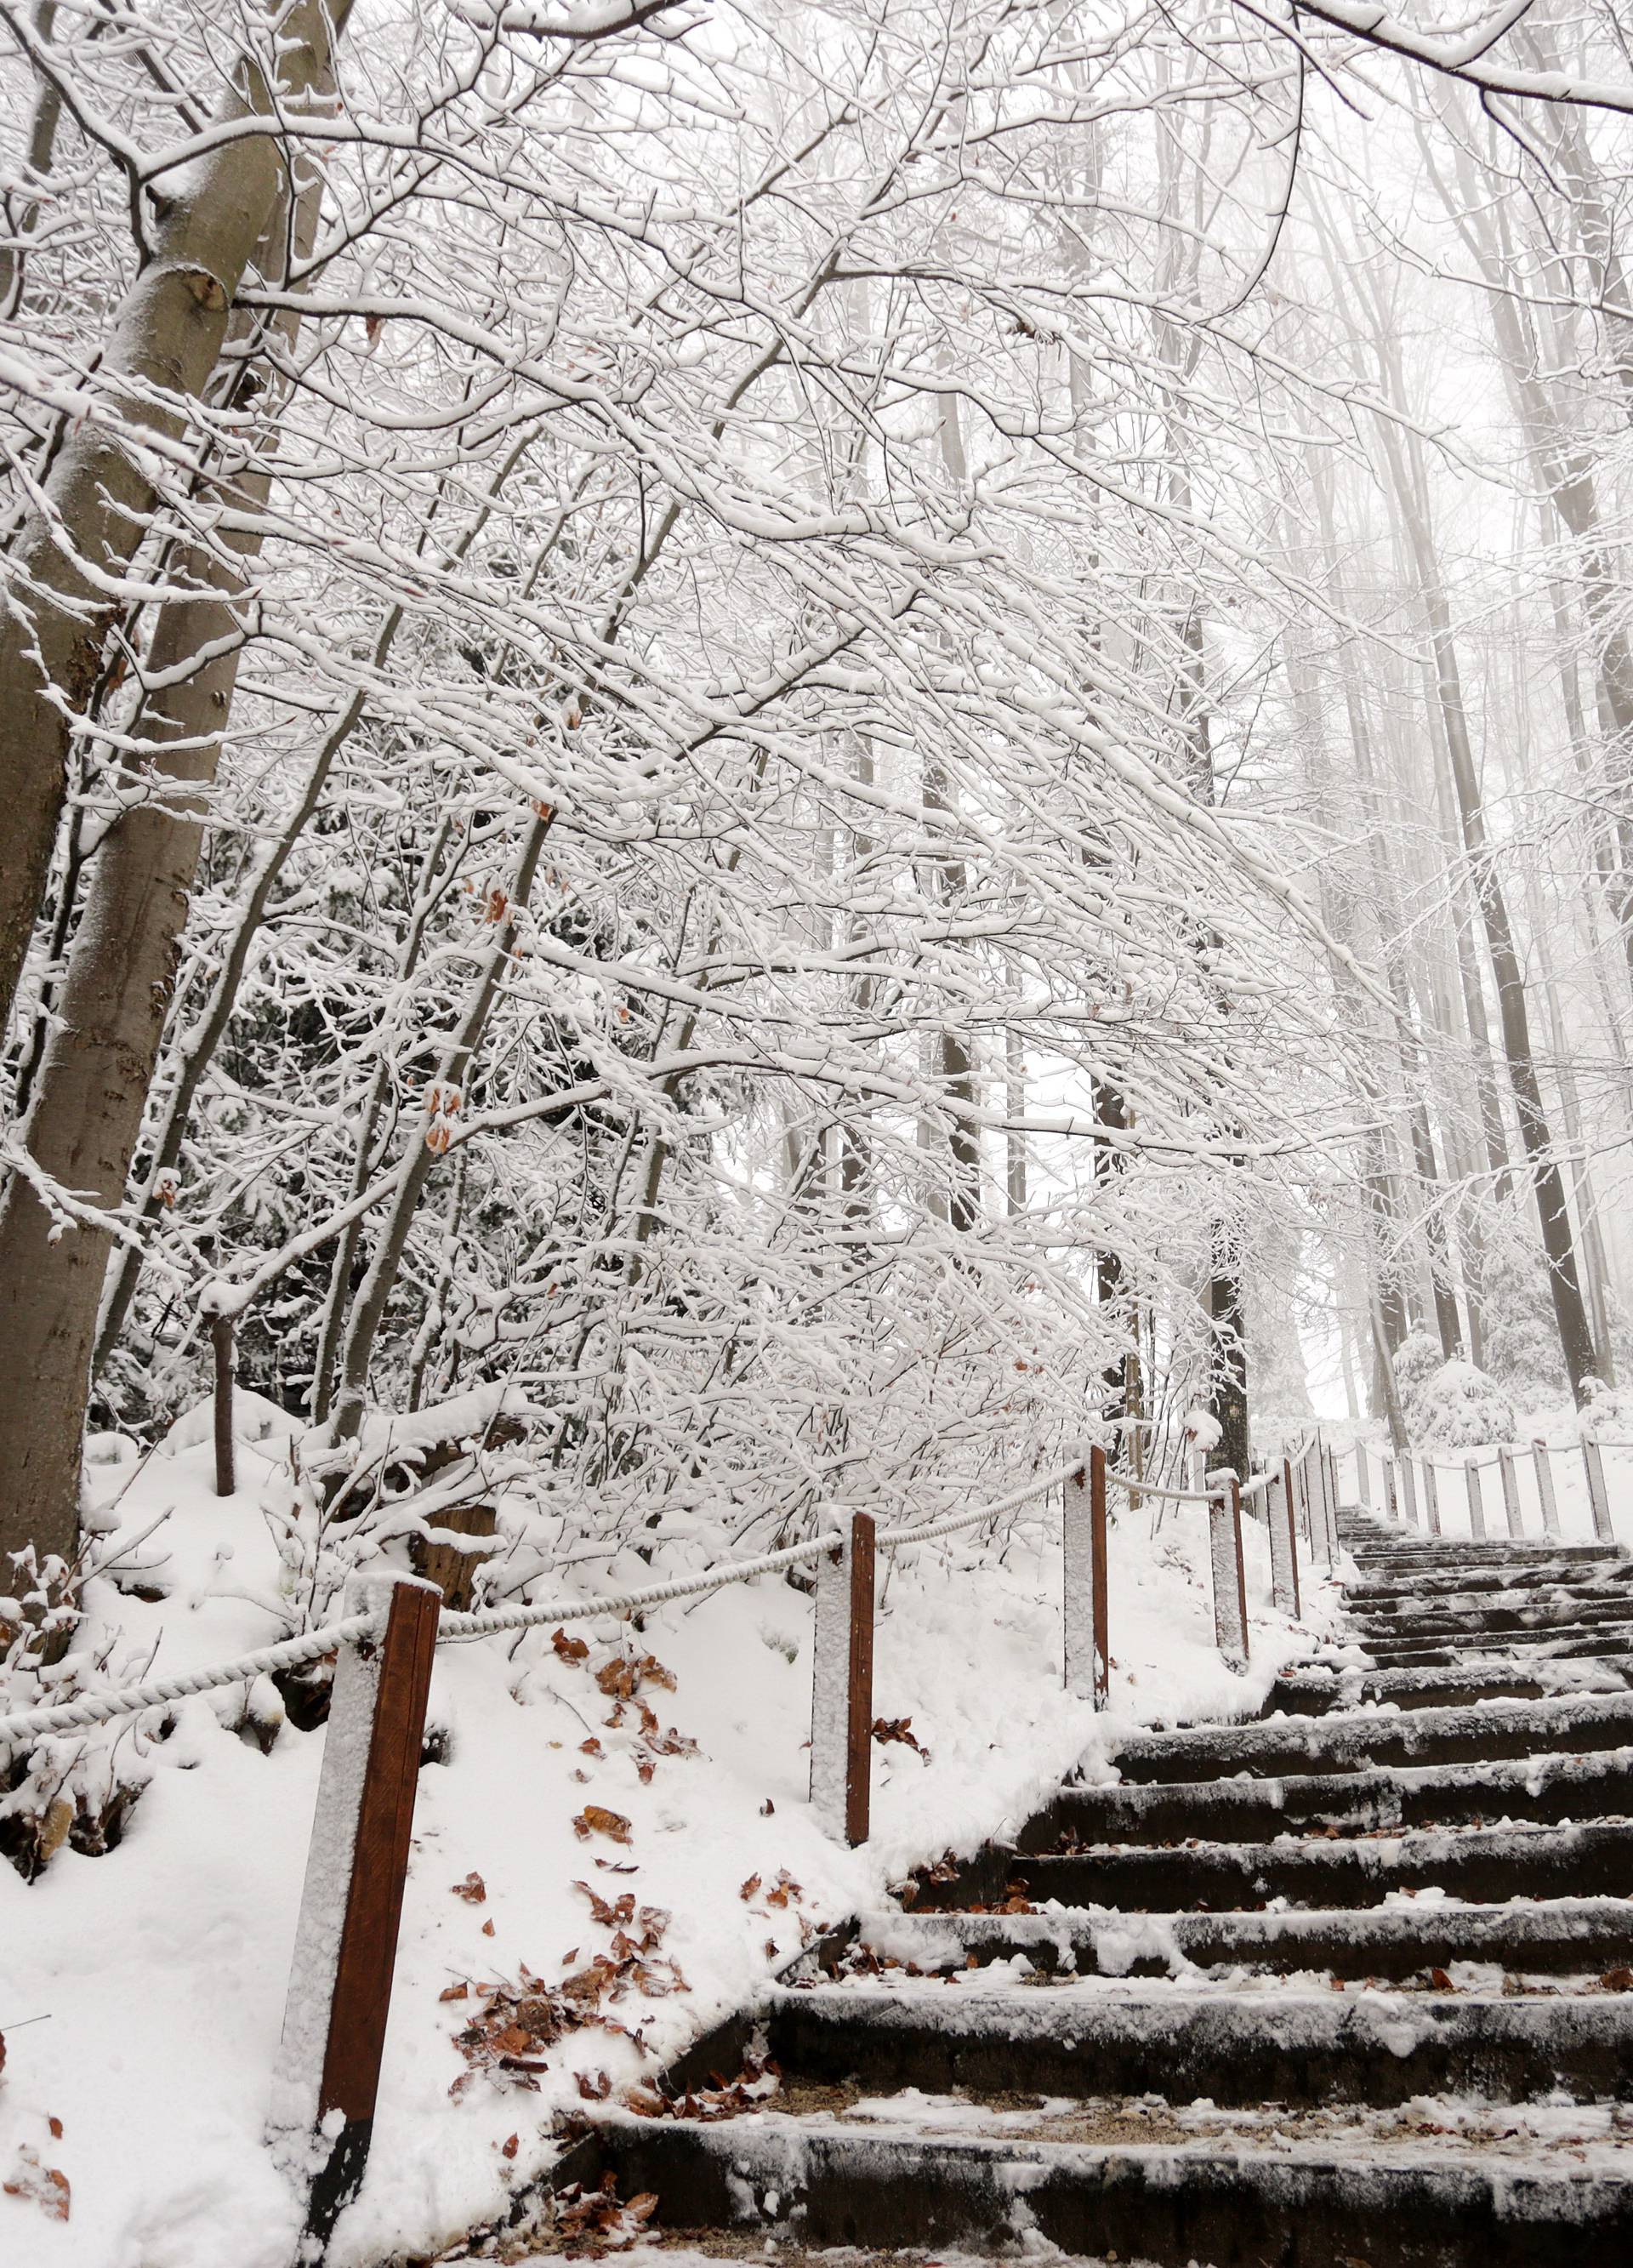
(38, 2183)
(595, 2222)
(595, 1819)
(759, 2078)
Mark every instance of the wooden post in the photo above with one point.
(1363, 1486)
(221, 1342)
(1230, 1585)
(346, 1940)
(1284, 1542)
(1541, 1458)
(1431, 1496)
(1082, 1581)
(1392, 1502)
(1408, 1478)
(1315, 1506)
(842, 1685)
(1510, 1492)
(442, 1557)
(1596, 1495)
(1476, 1505)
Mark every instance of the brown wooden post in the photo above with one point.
(842, 1684)
(1082, 1581)
(1284, 1544)
(859, 1729)
(346, 1940)
(1476, 1505)
(1431, 1496)
(1229, 1585)
(1596, 1496)
(1542, 1459)
(221, 1342)
(1510, 1492)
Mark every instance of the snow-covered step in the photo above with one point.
(1341, 1741)
(1086, 2038)
(824, 2184)
(1552, 1786)
(1571, 1937)
(1443, 1684)
(1558, 1642)
(1487, 1865)
(1464, 1620)
(1439, 1584)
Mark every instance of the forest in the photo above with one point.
(763, 756)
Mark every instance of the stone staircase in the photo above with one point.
(1348, 1987)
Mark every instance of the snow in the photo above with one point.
(163, 1967)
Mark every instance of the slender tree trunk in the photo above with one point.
(1569, 1310)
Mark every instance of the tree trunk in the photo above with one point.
(1576, 1337)
(166, 341)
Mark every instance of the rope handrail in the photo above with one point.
(132, 1700)
(312, 1646)
(1149, 1488)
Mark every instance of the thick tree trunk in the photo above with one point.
(98, 498)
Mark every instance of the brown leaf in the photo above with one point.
(454, 1992)
(644, 1770)
(473, 1890)
(749, 1888)
(486, 1929)
(590, 1748)
(610, 1917)
(1617, 1980)
(595, 2086)
(767, 1808)
(617, 1679)
(1441, 1982)
(510, 2146)
(571, 1649)
(595, 1819)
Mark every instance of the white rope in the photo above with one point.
(1168, 1495)
(131, 1700)
(1255, 1486)
(295, 1652)
(483, 1620)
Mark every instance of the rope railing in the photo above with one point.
(1402, 1475)
(131, 1700)
(313, 1645)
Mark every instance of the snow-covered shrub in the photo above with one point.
(1521, 1338)
(1418, 1357)
(1458, 1407)
(77, 1788)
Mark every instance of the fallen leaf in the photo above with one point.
(473, 1890)
(749, 1888)
(510, 2146)
(571, 1649)
(454, 1992)
(595, 1819)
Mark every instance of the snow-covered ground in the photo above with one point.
(157, 1972)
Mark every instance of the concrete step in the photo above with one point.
(1551, 1788)
(1483, 1865)
(825, 2185)
(1297, 2048)
(1559, 1642)
(1350, 1740)
(1448, 1684)
(1461, 1582)
(1465, 1622)
(1570, 1937)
